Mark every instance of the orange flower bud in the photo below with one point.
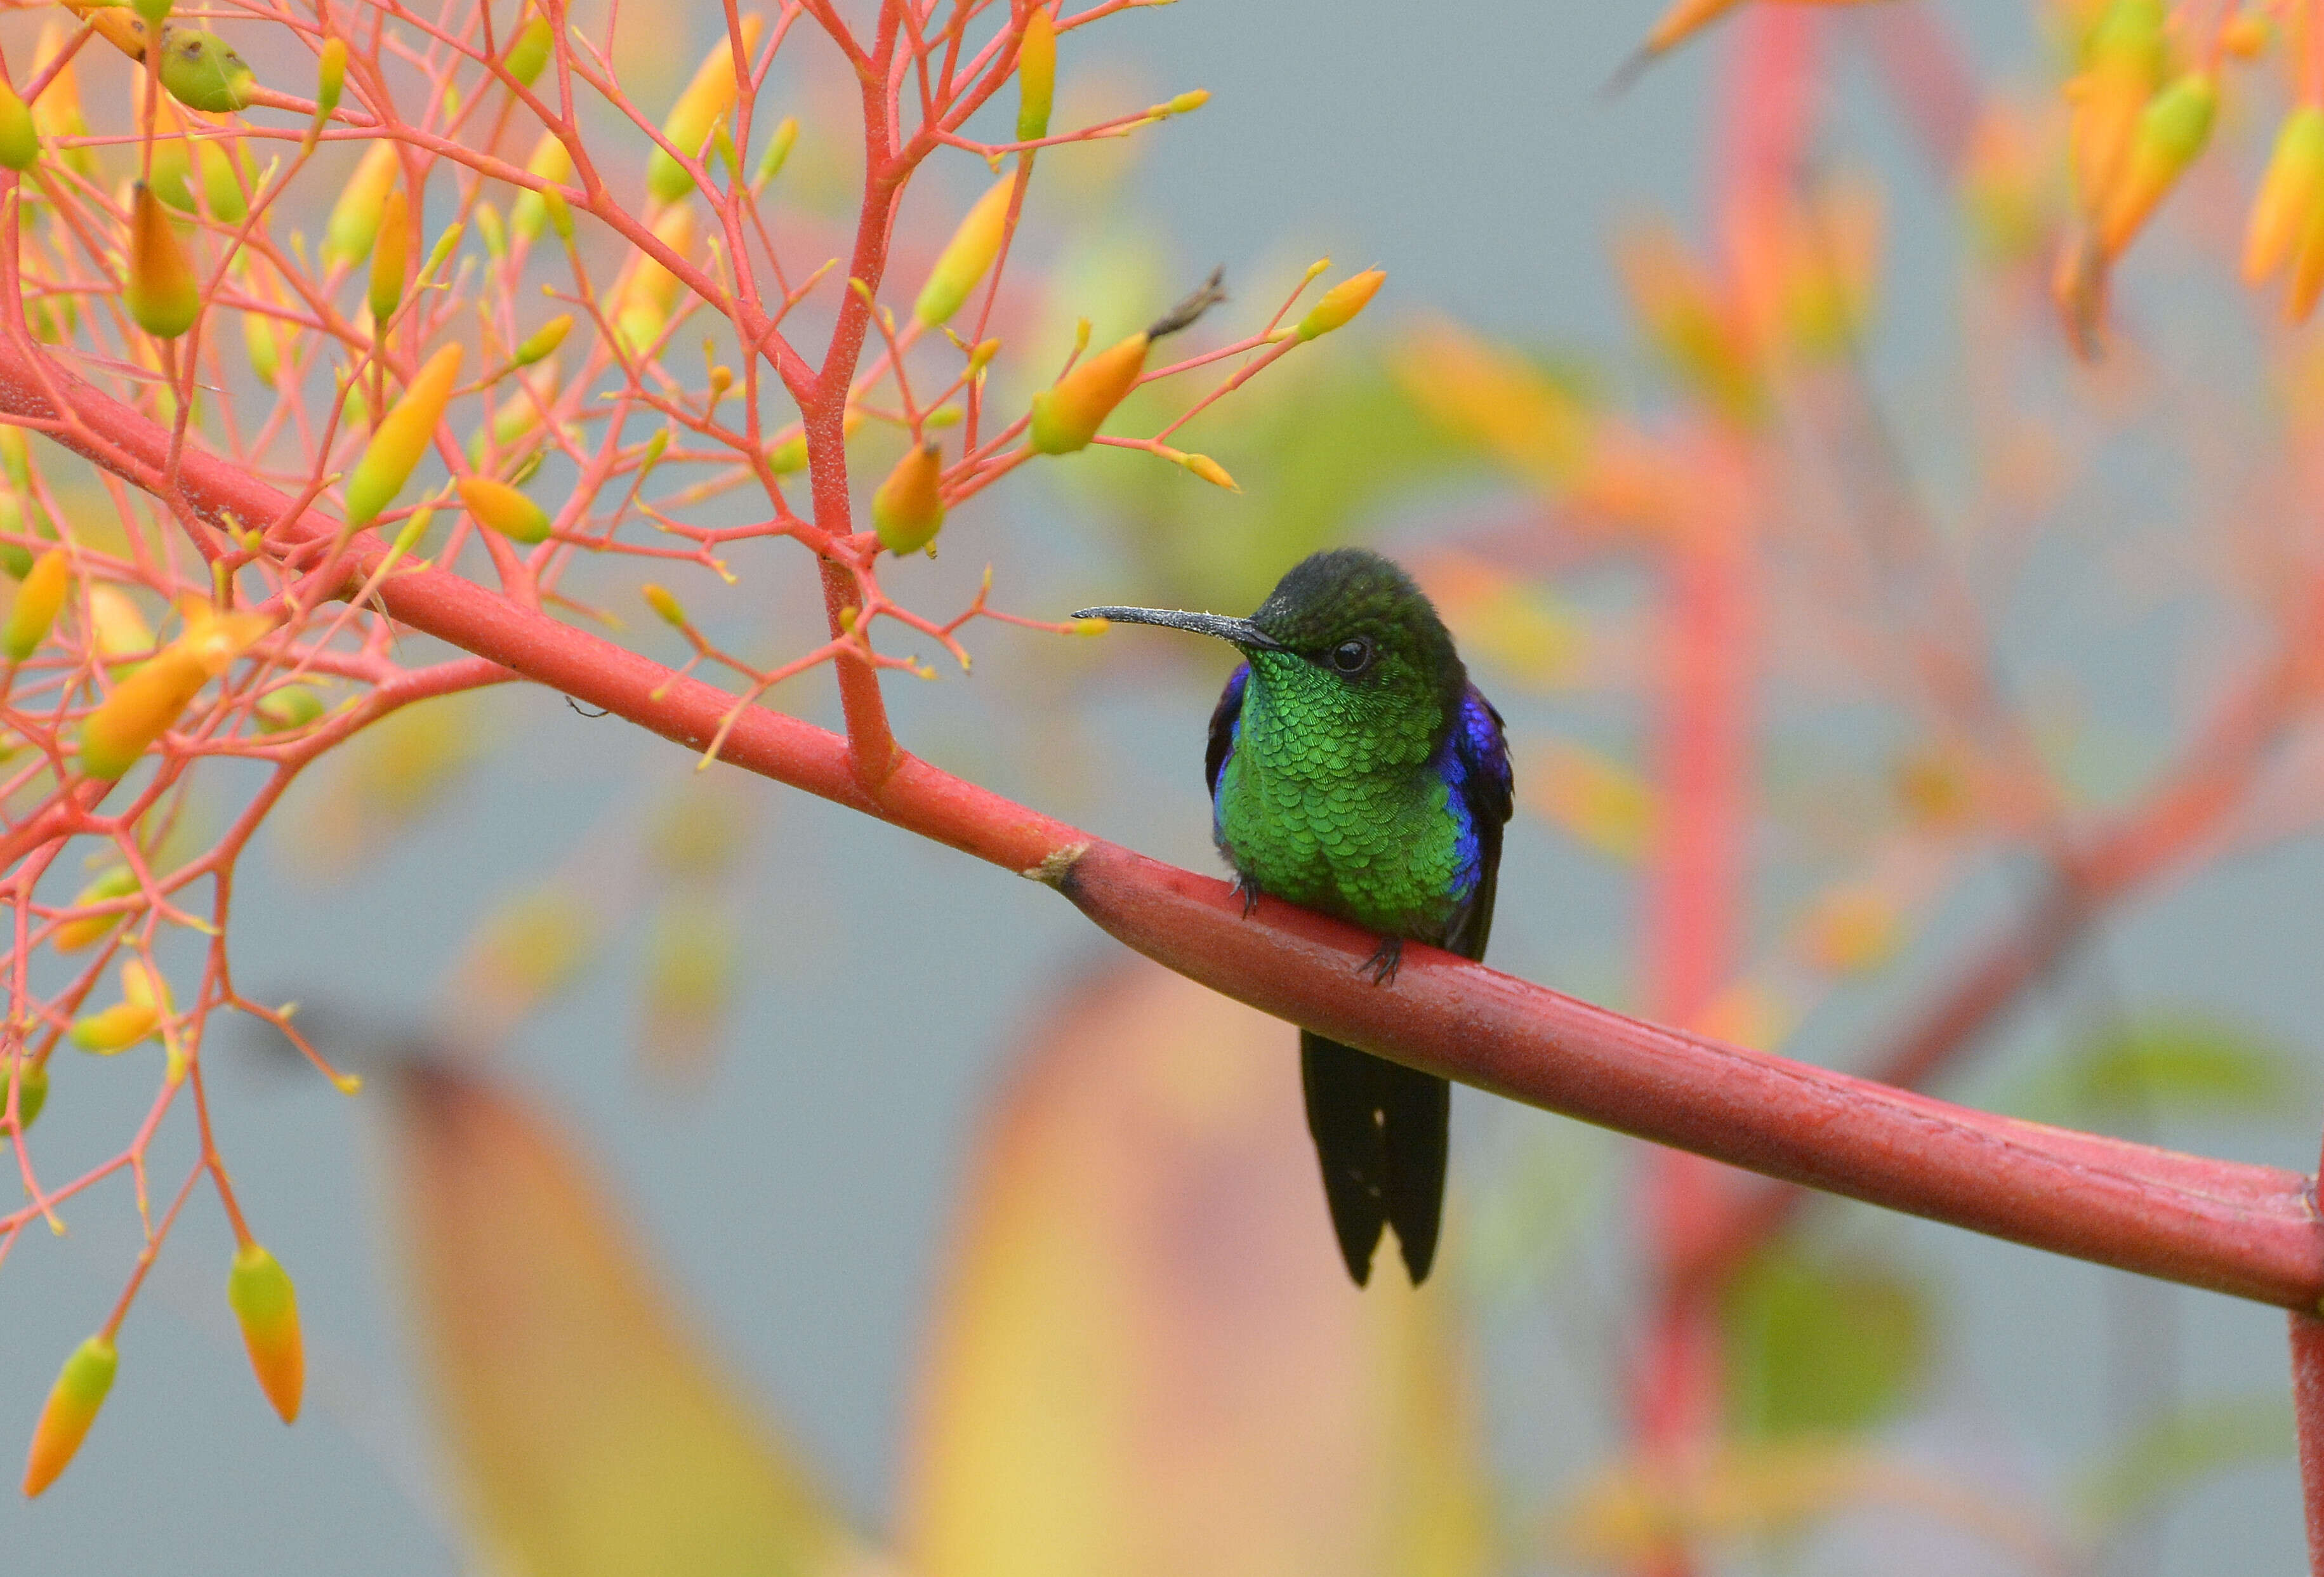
(1037, 75)
(266, 1306)
(1067, 414)
(355, 218)
(116, 1029)
(73, 1401)
(707, 101)
(403, 436)
(161, 293)
(2171, 132)
(966, 256)
(38, 600)
(505, 509)
(390, 257)
(145, 705)
(2247, 36)
(119, 881)
(908, 509)
(2124, 66)
(1341, 303)
(2291, 194)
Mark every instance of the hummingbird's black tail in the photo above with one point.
(1380, 1132)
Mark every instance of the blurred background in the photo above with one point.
(864, 1189)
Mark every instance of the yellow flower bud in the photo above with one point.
(1067, 414)
(38, 599)
(652, 292)
(660, 601)
(118, 881)
(544, 340)
(1037, 76)
(2123, 66)
(789, 457)
(1341, 303)
(707, 101)
(908, 509)
(117, 1028)
(550, 161)
(355, 218)
(1183, 103)
(505, 509)
(2291, 194)
(117, 623)
(779, 150)
(161, 293)
(31, 1090)
(20, 139)
(266, 1306)
(2171, 132)
(265, 351)
(139, 711)
(79, 1391)
(1210, 471)
(966, 256)
(330, 77)
(402, 439)
(390, 257)
(292, 706)
(529, 53)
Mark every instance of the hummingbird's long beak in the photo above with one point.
(1242, 633)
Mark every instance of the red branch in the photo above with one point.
(2308, 1407)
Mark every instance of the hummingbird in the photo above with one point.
(1354, 769)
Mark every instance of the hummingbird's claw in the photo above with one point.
(1384, 961)
(1247, 890)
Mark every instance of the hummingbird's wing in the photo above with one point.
(1225, 718)
(1481, 777)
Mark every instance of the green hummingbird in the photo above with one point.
(1354, 769)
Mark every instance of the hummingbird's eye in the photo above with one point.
(1353, 657)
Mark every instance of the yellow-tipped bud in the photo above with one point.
(982, 357)
(2291, 194)
(355, 218)
(544, 340)
(1210, 471)
(529, 53)
(1091, 626)
(908, 509)
(117, 623)
(2123, 67)
(390, 257)
(119, 881)
(330, 77)
(20, 139)
(2171, 132)
(1341, 303)
(402, 439)
(551, 162)
(31, 1091)
(1037, 76)
(707, 101)
(779, 151)
(505, 509)
(139, 711)
(202, 72)
(117, 1028)
(161, 292)
(1183, 103)
(660, 601)
(266, 1306)
(1067, 414)
(73, 1401)
(292, 706)
(652, 292)
(966, 256)
(38, 600)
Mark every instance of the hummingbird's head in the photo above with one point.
(1345, 641)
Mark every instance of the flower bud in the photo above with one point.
(1209, 470)
(2171, 132)
(161, 293)
(38, 600)
(505, 509)
(2290, 196)
(139, 711)
(1341, 303)
(707, 101)
(390, 257)
(266, 1306)
(544, 340)
(551, 162)
(154, 12)
(118, 624)
(908, 509)
(966, 256)
(788, 457)
(354, 217)
(31, 1081)
(330, 77)
(202, 72)
(117, 1028)
(73, 1401)
(652, 292)
(1183, 103)
(402, 439)
(529, 53)
(265, 351)
(1067, 414)
(119, 881)
(660, 601)
(1037, 75)
(779, 150)
(20, 139)
(292, 706)
(2124, 65)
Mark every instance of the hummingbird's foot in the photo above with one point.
(1247, 890)
(1384, 961)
